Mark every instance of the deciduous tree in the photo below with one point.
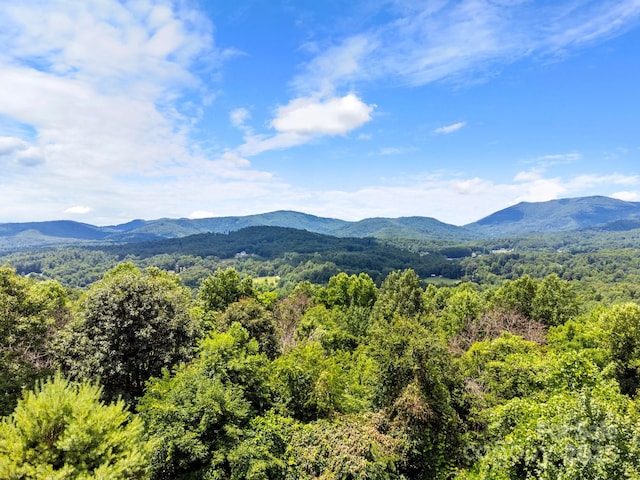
(590, 433)
(131, 325)
(224, 287)
(31, 314)
(624, 344)
(555, 302)
(400, 294)
(197, 414)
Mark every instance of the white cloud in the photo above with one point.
(586, 181)
(201, 214)
(543, 162)
(446, 196)
(472, 186)
(78, 210)
(107, 42)
(529, 175)
(30, 157)
(311, 117)
(99, 82)
(387, 151)
(561, 158)
(447, 129)
(541, 190)
(306, 118)
(336, 64)
(627, 196)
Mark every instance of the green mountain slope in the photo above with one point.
(556, 216)
(404, 227)
(351, 255)
(57, 228)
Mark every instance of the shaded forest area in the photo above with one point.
(528, 371)
(289, 254)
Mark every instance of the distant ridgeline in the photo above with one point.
(573, 214)
(305, 247)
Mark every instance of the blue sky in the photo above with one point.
(111, 111)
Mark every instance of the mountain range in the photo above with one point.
(564, 215)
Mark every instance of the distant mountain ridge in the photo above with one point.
(32, 234)
(564, 215)
(570, 214)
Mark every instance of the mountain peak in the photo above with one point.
(555, 215)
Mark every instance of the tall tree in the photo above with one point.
(258, 321)
(31, 313)
(517, 295)
(132, 324)
(624, 344)
(198, 413)
(308, 384)
(555, 302)
(418, 387)
(401, 293)
(589, 433)
(223, 288)
(349, 291)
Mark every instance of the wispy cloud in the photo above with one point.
(393, 151)
(11, 145)
(447, 129)
(544, 162)
(556, 158)
(586, 181)
(425, 42)
(239, 116)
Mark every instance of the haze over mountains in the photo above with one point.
(571, 214)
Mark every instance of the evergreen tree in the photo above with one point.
(62, 430)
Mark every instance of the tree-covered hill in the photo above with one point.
(563, 215)
(287, 254)
(181, 227)
(352, 255)
(58, 228)
(405, 227)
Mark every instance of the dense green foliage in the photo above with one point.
(130, 326)
(530, 371)
(30, 313)
(199, 412)
(289, 254)
(63, 430)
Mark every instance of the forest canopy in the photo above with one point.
(520, 376)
